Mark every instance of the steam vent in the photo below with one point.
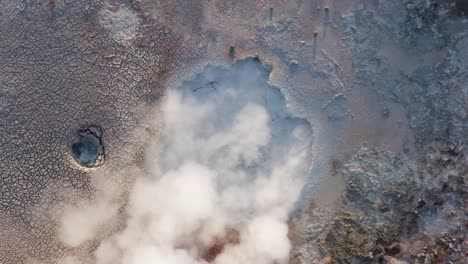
(88, 151)
(233, 132)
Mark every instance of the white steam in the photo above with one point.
(220, 183)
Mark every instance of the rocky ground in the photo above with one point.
(407, 207)
(394, 211)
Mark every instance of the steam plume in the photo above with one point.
(220, 183)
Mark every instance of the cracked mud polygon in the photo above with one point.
(221, 131)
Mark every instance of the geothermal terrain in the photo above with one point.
(233, 131)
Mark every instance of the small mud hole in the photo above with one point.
(88, 150)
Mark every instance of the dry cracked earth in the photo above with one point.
(382, 86)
